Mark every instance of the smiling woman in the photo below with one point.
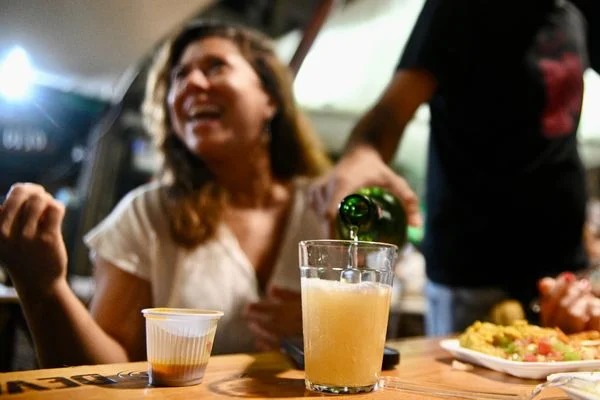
(217, 103)
(217, 229)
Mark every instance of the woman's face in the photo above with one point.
(217, 105)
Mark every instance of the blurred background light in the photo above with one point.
(16, 74)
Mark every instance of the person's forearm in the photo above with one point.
(382, 127)
(64, 332)
(379, 128)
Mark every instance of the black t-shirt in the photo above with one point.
(505, 192)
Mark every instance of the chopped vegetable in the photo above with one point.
(524, 342)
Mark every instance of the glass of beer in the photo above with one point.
(346, 292)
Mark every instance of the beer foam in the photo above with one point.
(331, 285)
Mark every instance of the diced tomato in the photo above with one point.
(530, 357)
(544, 347)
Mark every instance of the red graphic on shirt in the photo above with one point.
(564, 94)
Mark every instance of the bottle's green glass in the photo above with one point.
(375, 214)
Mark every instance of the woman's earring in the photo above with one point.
(267, 133)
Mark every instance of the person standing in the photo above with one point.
(505, 195)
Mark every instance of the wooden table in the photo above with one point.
(258, 376)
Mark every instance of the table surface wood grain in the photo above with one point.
(262, 376)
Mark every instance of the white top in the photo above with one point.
(215, 275)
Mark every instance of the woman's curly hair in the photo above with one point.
(193, 199)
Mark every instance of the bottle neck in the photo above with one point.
(373, 215)
(357, 210)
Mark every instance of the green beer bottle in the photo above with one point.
(372, 214)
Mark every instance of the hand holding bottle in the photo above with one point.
(360, 167)
(372, 214)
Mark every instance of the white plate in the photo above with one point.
(521, 369)
(585, 386)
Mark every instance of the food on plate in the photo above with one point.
(531, 343)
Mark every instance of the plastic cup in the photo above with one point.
(178, 344)
(346, 292)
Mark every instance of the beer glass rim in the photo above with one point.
(340, 242)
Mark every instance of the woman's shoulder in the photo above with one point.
(143, 201)
(148, 194)
(146, 190)
(302, 182)
(302, 207)
(139, 210)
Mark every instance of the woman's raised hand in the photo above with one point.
(31, 242)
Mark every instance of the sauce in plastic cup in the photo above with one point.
(178, 344)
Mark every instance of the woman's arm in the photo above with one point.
(116, 307)
(64, 332)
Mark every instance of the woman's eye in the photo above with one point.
(214, 68)
(178, 73)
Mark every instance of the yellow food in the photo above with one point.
(522, 341)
